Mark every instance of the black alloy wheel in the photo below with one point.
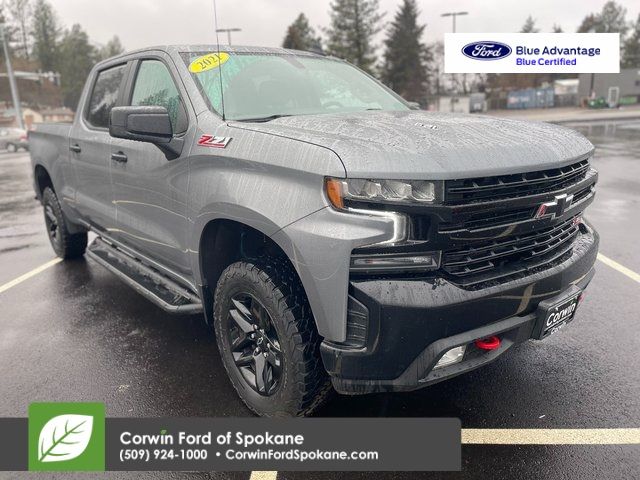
(53, 227)
(267, 338)
(254, 344)
(66, 244)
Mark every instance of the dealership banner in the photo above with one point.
(532, 53)
(68, 437)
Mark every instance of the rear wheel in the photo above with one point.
(66, 245)
(267, 339)
(11, 147)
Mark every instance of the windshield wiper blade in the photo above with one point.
(265, 119)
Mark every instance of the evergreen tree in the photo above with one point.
(77, 57)
(46, 35)
(529, 26)
(556, 28)
(631, 55)
(611, 19)
(300, 35)
(354, 23)
(21, 11)
(406, 58)
(9, 31)
(111, 49)
(588, 24)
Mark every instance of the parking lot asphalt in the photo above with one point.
(74, 332)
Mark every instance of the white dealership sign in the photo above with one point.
(532, 52)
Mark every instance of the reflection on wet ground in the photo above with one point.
(20, 214)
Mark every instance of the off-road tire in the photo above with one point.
(66, 245)
(304, 384)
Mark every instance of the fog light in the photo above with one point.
(451, 356)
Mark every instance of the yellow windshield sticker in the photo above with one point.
(208, 61)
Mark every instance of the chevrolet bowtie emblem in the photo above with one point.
(555, 208)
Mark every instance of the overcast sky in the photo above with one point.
(141, 23)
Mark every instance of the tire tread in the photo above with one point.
(311, 381)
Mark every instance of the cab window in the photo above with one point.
(104, 96)
(154, 86)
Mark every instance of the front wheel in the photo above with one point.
(267, 339)
(67, 245)
(11, 148)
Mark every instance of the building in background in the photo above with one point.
(565, 92)
(33, 116)
(615, 88)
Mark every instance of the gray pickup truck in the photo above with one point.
(335, 238)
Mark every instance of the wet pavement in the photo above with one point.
(76, 333)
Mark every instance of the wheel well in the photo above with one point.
(43, 179)
(224, 242)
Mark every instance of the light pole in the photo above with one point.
(12, 81)
(453, 16)
(229, 30)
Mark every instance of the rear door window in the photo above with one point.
(104, 96)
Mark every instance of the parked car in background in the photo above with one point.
(13, 139)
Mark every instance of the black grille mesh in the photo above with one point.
(510, 186)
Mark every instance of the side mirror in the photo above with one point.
(145, 124)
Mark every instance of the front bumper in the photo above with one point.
(413, 322)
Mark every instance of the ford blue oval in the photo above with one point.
(486, 50)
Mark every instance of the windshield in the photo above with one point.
(263, 86)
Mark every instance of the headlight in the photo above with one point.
(341, 191)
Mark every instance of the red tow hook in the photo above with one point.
(489, 343)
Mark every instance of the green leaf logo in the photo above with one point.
(64, 437)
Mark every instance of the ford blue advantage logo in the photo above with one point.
(486, 50)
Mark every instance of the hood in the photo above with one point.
(435, 146)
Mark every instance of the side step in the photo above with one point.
(149, 282)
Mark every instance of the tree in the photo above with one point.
(77, 57)
(300, 35)
(529, 26)
(588, 24)
(556, 28)
(20, 11)
(611, 19)
(406, 58)
(45, 33)
(9, 31)
(631, 55)
(354, 23)
(111, 49)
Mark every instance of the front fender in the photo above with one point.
(319, 247)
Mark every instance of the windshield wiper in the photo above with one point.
(264, 119)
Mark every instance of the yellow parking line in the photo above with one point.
(543, 436)
(28, 275)
(263, 476)
(531, 436)
(621, 268)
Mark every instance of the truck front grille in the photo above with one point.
(507, 256)
(495, 218)
(509, 186)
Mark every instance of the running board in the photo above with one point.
(149, 282)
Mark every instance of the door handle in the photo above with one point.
(75, 148)
(119, 157)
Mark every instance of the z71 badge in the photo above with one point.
(207, 140)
